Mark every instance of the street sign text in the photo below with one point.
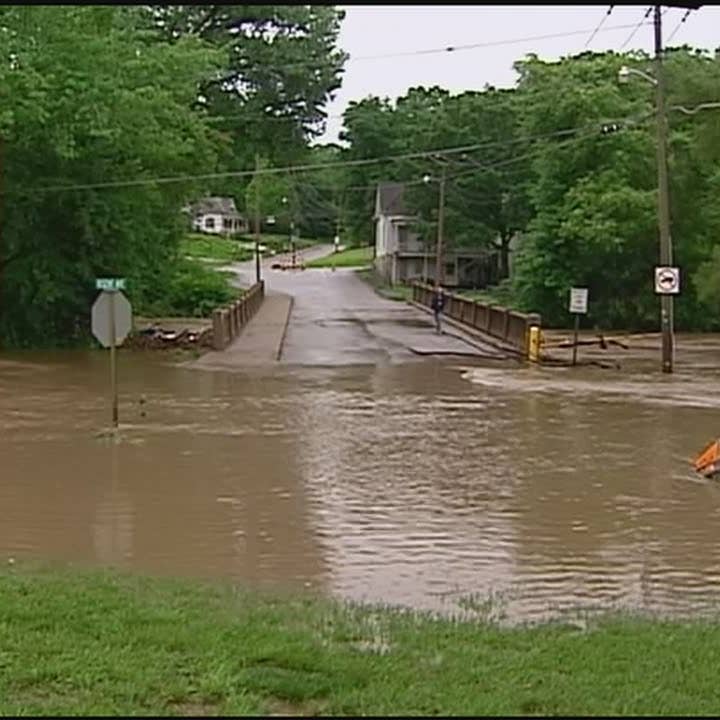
(110, 284)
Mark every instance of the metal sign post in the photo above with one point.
(113, 359)
(578, 306)
(667, 285)
(111, 322)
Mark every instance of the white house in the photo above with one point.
(217, 216)
(401, 256)
(392, 231)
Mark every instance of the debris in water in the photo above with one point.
(708, 462)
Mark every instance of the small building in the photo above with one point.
(401, 256)
(217, 216)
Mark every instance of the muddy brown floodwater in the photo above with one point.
(425, 484)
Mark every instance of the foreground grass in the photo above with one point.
(100, 643)
(352, 257)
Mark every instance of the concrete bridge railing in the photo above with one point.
(228, 321)
(512, 327)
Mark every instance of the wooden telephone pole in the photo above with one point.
(257, 218)
(440, 256)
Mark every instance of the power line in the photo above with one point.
(262, 171)
(591, 131)
(600, 24)
(463, 48)
(678, 26)
(494, 43)
(264, 118)
(343, 163)
(697, 108)
(638, 26)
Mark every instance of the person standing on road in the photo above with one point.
(438, 305)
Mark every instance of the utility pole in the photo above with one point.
(666, 254)
(440, 259)
(257, 219)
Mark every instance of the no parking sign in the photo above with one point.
(667, 280)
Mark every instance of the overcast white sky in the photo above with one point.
(379, 29)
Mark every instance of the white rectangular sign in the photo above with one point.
(578, 300)
(667, 280)
(110, 283)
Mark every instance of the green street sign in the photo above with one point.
(110, 283)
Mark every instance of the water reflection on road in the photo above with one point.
(407, 484)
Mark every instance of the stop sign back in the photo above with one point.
(109, 304)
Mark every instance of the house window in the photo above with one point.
(449, 269)
(209, 223)
(227, 224)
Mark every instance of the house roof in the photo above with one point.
(390, 199)
(219, 205)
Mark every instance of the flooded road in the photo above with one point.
(431, 484)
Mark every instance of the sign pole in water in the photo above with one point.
(113, 360)
(111, 323)
(578, 306)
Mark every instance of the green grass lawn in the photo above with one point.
(279, 243)
(220, 250)
(216, 248)
(101, 643)
(352, 257)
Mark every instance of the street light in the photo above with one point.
(666, 255)
(625, 72)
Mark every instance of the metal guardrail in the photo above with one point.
(228, 321)
(499, 322)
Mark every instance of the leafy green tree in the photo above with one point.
(87, 101)
(281, 66)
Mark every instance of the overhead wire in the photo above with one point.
(509, 161)
(696, 109)
(449, 49)
(678, 26)
(324, 166)
(264, 171)
(599, 25)
(591, 129)
(637, 27)
(494, 43)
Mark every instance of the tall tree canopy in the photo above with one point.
(281, 66)
(88, 100)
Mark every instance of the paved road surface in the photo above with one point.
(337, 319)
